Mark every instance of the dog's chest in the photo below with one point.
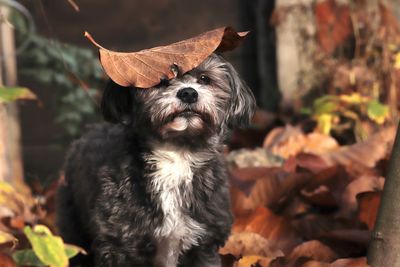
(171, 180)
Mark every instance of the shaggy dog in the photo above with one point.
(149, 188)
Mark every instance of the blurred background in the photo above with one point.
(325, 73)
(289, 59)
(120, 26)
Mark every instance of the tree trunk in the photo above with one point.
(385, 244)
(10, 150)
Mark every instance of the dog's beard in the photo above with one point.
(186, 123)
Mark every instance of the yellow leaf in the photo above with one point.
(324, 123)
(397, 61)
(354, 98)
(254, 260)
(6, 237)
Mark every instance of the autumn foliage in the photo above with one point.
(301, 195)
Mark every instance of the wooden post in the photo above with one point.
(11, 169)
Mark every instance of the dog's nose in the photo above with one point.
(187, 95)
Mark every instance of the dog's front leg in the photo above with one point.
(112, 253)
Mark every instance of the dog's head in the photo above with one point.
(201, 103)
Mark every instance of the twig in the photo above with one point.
(72, 74)
(74, 5)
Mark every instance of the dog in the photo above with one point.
(149, 186)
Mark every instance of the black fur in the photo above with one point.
(107, 204)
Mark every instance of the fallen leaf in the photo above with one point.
(348, 200)
(311, 162)
(6, 238)
(312, 250)
(275, 228)
(254, 260)
(250, 174)
(320, 196)
(354, 262)
(47, 247)
(312, 263)
(289, 141)
(368, 205)
(146, 68)
(366, 153)
(248, 243)
(6, 261)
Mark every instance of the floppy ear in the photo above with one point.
(116, 104)
(243, 102)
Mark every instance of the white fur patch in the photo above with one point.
(172, 181)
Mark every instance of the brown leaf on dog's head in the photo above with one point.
(146, 68)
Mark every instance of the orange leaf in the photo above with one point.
(365, 153)
(6, 261)
(147, 67)
(368, 205)
(254, 260)
(353, 262)
(313, 250)
(246, 243)
(272, 227)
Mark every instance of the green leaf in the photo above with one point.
(71, 250)
(325, 104)
(8, 94)
(377, 111)
(47, 247)
(27, 257)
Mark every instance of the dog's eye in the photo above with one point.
(164, 82)
(204, 79)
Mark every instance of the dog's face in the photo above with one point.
(200, 103)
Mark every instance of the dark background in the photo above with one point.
(131, 25)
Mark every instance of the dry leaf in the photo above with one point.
(364, 183)
(6, 261)
(320, 196)
(365, 153)
(368, 205)
(254, 260)
(313, 250)
(313, 263)
(147, 67)
(354, 262)
(289, 141)
(272, 227)
(247, 243)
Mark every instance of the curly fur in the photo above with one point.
(149, 188)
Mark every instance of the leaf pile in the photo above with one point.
(147, 67)
(316, 209)
(25, 246)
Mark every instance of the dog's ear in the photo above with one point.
(116, 104)
(243, 103)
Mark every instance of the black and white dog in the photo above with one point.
(150, 187)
